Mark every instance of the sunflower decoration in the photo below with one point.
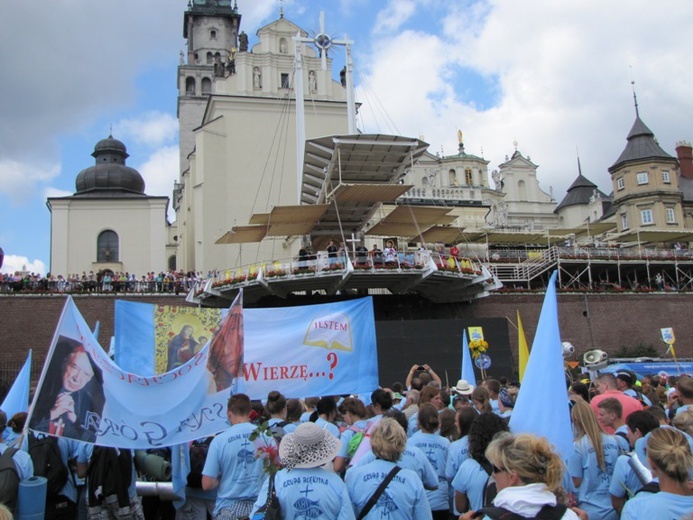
(478, 347)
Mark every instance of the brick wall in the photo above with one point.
(616, 319)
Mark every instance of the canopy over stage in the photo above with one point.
(349, 191)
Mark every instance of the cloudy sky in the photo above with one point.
(553, 76)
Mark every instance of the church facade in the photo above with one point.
(109, 223)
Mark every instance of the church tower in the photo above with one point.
(645, 182)
(238, 130)
(211, 30)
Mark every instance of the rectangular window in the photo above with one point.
(665, 177)
(624, 221)
(620, 183)
(642, 177)
(671, 216)
(285, 80)
(646, 217)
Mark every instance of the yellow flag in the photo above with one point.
(523, 352)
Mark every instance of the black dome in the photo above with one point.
(109, 174)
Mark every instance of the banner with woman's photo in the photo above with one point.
(301, 351)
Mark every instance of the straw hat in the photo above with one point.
(309, 446)
(462, 388)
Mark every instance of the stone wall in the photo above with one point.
(615, 320)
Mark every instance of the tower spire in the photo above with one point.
(635, 97)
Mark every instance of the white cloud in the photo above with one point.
(563, 81)
(18, 179)
(393, 16)
(50, 192)
(150, 129)
(160, 171)
(13, 263)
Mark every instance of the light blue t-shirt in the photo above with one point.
(231, 458)
(624, 482)
(291, 427)
(471, 480)
(457, 454)
(662, 505)
(22, 461)
(403, 499)
(414, 459)
(435, 448)
(325, 425)
(593, 494)
(309, 493)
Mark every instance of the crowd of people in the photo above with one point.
(170, 281)
(416, 450)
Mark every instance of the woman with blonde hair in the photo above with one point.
(591, 465)
(403, 497)
(671, 460)
(528, 475)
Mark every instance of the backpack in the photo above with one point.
(9, 479)
(109, 474)
(277, 431)
(198, 457)
(545, 513)
(48, 462)
(650, 487)
(364, 445)
(355, 440)
(490, 489)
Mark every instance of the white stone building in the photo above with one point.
(110, 223)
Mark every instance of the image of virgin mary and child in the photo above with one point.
(71, 399)
(181, 348)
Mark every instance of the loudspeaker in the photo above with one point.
(595, 359)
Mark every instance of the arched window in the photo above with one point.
(468, 177)
(210, 58)
(206, 86)
(424, 181)
(107, 249)
(452, 178)
(172, 262)
(190, 86)
(522, 190)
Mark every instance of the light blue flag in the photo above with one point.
(467, 365)
(542, 404)
(17, 399)
(180, 467)
(97, 327)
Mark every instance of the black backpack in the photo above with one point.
(109, 474)
(198, 457)
(545, 513)
(48, 462)
(9, 479)
(490, 489)
(650, 487)
(277, 430)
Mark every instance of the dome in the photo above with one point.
(109, 174)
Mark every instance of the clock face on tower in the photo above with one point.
(323, 41)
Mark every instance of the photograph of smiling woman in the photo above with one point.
(71, 398)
